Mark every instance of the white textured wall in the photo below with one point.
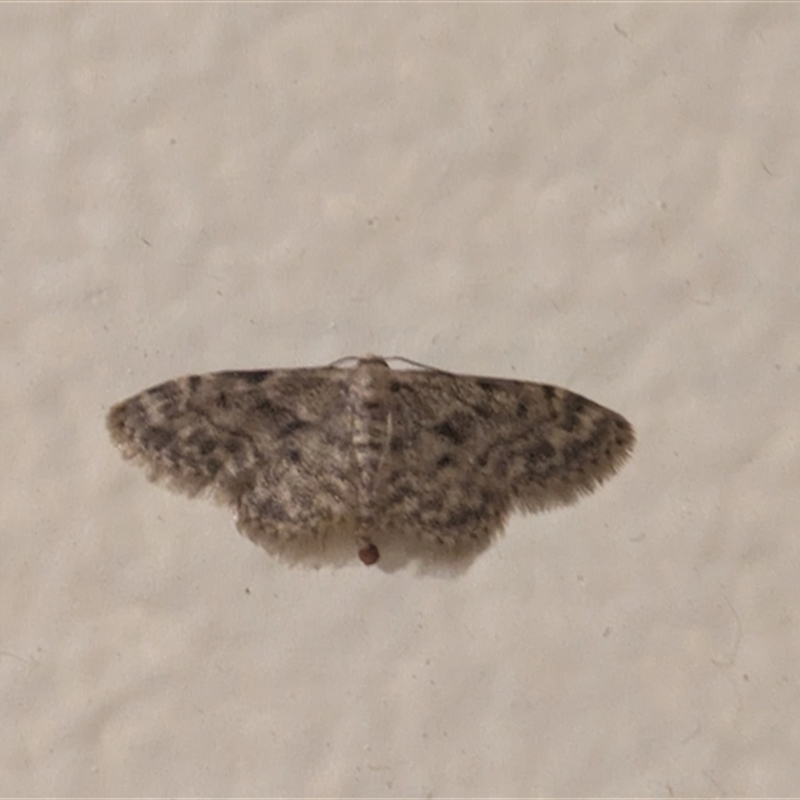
(599, 196)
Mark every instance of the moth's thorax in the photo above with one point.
(368, 400)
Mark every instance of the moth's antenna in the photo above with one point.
(340, 362)
(409, 361)
(344, 360)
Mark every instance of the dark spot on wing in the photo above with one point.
(222, 400)
(462, 517)
(448, 430)
(267, 408)
(267, 508)
(234, 446)
(292, 427)
(197, 438)
(157, 438)
(401, 491)
(483, 411)
(574, 406)
(249, 376)
(575, 452)
(541, 454)
(165, 392)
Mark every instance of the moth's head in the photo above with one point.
(371, 360)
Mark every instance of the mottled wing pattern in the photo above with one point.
(326, 463)
(274, 445)
(466, 451)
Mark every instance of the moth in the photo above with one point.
(323, 465)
